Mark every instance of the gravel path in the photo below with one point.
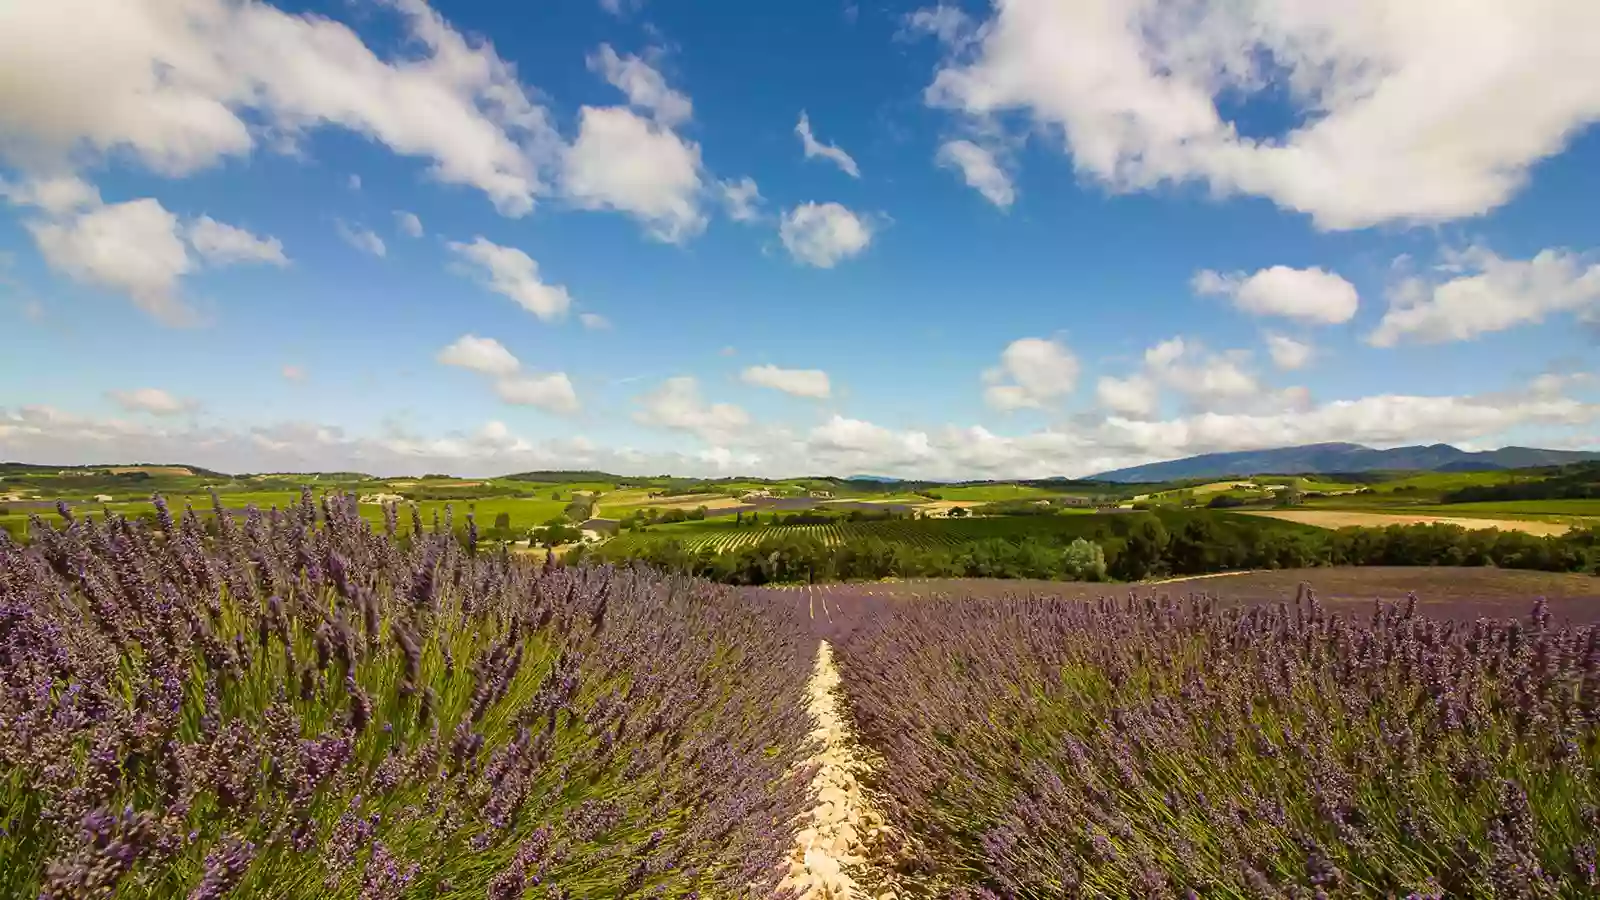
(842, 827)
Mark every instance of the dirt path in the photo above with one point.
(1197, 577)
(1339, 518)
(842, 827)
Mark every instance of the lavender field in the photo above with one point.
(1033, 747)
(297, 704)
(300, 707)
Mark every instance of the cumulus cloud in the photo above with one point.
(1488, 294)
(594, 321)
(1207, 381)
(677, 405)
(1414, 110)
(133, 247)
(1288, 353)
(629, 163)
(1137, 396)
(485, 355)
(839, 446)
(829, 152)
(364, 239)
(154, 401)
(980, 170)
(799, 382)
(645, 87)
(1033, 373)
(56, 195)
(181, 86)
(823, 234)
(1309, 295)
(224, 244)
(511, 273)
(552, 391)
(408, 223)
(742, 199)
(138, 247)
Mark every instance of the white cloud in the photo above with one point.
(138, 247)
(822, 234)
(224, 244)
(180, 86)
(511, 273)
(1309, 295)
(1413, 110)
(799, 382)
(56, 195)
(677, 405)
(133, 247)
(485, 355)
(552, 392)
(1137, 396)
(355, 182)
(741, 198)
(838, 446)
(154, 401)
(293, 373)
(1488, 294)
(830, 152)
(1033, 372)
(947, 23)
(978, 167)
(408, 223)
(594, 321)
(1288, 353)
(364, 239)
(629, 163)
(645, 87)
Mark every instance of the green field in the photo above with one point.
(727, 536)
(991, 493)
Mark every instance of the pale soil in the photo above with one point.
(943, 507)
(681, 501)
(1340, 518)
(841, 830)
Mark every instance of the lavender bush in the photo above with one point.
(1036, 748)
(301, 707)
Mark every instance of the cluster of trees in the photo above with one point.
(792, 558)
(1129, 548)
(642, 517)
(1579, 482)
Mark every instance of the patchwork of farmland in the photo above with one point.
(913, 532)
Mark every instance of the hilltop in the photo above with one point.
(1330, 458)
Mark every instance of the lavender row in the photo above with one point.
(1031, 747)
(299, 706)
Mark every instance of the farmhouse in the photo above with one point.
(102, 498)
(759, 494)
(820, 495)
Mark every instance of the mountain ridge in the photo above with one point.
(1334, 457)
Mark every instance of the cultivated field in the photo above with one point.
(1341, 518)
(315, 710)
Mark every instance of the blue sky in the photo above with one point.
(481, 237)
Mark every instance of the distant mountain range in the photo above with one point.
(1336, 457)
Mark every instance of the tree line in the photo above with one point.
(1134, 547)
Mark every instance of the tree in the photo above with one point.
(699, 514)
(502, 522)
(1290, 496)
(1144, 550)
